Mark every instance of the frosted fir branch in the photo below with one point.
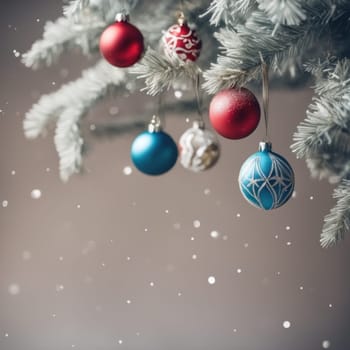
(49, 106)
(327, 126)
(69, 143)
(337, 222)
(287, 12)
(219, 77)
(319, 132)
(229, 12)
(68, 105)
(75, 7)
(319, 67)
(94, 85)
(61, 36)
(240, 59)
(329, 166)
(323, 138)
(241, 47)
(160, 72)
(105, 9)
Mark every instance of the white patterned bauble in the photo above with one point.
(199, 148)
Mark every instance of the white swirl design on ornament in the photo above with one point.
(279, 182)
(184, 45)
(200, 149)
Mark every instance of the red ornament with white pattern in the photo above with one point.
(182, 41)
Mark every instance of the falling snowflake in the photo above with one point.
(211, 280)
(35, 194)
(127, 170)
(286, 324)
(214, 234)
(326, 344)
(14, 289)
(196, 224)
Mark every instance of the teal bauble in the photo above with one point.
(154, 152)
(266, 179)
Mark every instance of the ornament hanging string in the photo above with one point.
(182, 6)
(196, 85)
(265, 94)
(160, 116)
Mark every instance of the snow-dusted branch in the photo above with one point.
(60, 36)
(286, 12)
(241, 47)
(337, 222)
(229, 12)
(325, 134)
(68, 105)
(161, 72)
(324, 140)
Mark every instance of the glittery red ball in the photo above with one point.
(121, 44)
(234, 113)
(183, 42)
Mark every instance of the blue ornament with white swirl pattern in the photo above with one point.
(266, 179)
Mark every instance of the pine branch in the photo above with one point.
(324, 136)
(69, 104)
(241, 47)
(241, 50)
(106, 10)
(75, 7)
(337, 222)
(160, 72)
(285, 12)
(61, 36)
(229, 12)
(69, 143)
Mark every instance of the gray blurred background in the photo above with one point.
(116, 261)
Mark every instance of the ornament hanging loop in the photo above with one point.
(265, 94)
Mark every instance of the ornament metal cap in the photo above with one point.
(181, 20)
(155, 124)
(198, 124)
(265, 146)
(122, 17)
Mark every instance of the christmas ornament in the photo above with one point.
(121, 44)
(266, 179)
(181, 41)
(154, 152)
(199, 148)
(234, 113)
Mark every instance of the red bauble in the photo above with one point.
(234, 113)
(182, 41)
(121, 44)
